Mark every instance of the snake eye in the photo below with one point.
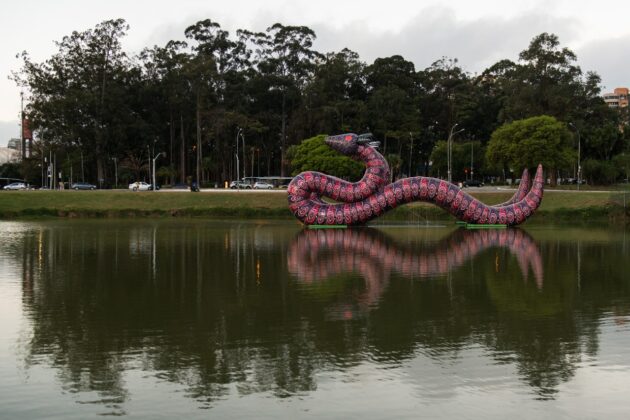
(348, 138)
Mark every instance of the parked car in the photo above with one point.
(140, 186)
(473, 183)
(240, 184)
(83, 186)
(15, 186)
(262, 186)
(574, 181)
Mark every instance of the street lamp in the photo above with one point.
(472, 168)
(579, 168)
(243, 139)
(154, 159)
(238, 185)
(449, 152)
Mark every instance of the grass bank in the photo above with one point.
(557, 206)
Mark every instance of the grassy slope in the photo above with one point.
(582, 205)
(122, 203)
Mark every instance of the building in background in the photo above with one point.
(8, 155)
(15, 144)
(12, 152)
(618, 98)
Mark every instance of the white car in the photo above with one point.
(15, 186)
(262, 186)
(140, 186)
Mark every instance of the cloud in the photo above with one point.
(430, 34)
(437, 32)
(609, 59)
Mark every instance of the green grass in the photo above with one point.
(130, 204)
(556, 206)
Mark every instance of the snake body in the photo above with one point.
(370, 197)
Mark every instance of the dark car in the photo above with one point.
(473, 183)
(83, 186)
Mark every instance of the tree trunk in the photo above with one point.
(198, 160)
(553, 177)
(283, 136)
(172, 137)
(182, 163)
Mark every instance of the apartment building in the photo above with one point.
(618, 98)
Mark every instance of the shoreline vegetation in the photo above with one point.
(557, 206)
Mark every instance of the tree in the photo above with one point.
(314, 155)
(335, 97)
(287, 61)
(442, 90)
(164, 69)
(544, 82)
(461, 154)
(392, 114)
(526, 143)
(601, 171)
(79, 96)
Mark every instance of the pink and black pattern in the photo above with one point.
(362, 201)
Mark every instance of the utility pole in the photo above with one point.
(244, 166)
(22, 139)
(472, 169)
(238, 185)
(579, 167)
(153, 178)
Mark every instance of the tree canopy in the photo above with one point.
(94, 104)
(526, 143)
(314, 155)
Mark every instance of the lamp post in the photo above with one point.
(244, 164)
(238, 185)
(153, 179)
(450, 150)
(22, 140)
(472, 169)
(579, 167)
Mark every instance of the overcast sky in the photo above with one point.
(478, 33)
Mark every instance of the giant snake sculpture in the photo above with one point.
(373, 195)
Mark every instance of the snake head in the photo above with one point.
(348, 144)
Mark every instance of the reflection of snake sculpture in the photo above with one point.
(316, 255)
(372, 195)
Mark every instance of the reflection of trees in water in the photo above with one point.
(532, 325)
(176, 304)
(207, 307)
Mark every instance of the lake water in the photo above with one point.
(198, 318)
